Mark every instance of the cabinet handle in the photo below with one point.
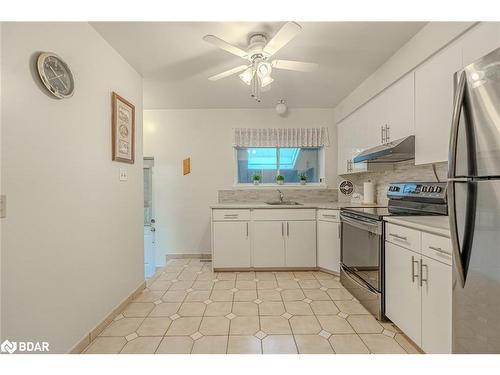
(398, 236)
(422, 265)
(328, 215)
(287, 229)
(282, 229)
(382, 135)
(247, 229)
(413, 276)
(340, 229)
(387, 133)
(438, 249)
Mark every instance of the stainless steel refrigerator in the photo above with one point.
(474, 206)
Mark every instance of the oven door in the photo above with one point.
(361, 246)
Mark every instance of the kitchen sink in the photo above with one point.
(284, 203)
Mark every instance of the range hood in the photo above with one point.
(399, 150)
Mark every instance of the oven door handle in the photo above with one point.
(370, 227)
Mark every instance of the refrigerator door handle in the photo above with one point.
(455, 241)
(455, 122)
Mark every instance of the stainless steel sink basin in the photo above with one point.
(284, 203)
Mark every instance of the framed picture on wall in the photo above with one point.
(123, 129)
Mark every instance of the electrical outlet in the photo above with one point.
(123, 174)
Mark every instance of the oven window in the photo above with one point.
(361, 253)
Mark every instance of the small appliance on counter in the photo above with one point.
(362, 254)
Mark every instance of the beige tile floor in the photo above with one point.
(187, 308)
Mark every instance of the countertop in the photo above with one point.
(315, 205)
(432, 224)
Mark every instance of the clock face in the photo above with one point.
(55, 75)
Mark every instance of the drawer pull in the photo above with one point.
(398, 236)
(439, 250)
(327, 215)
(230, 215)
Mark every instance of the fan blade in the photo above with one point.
(282, 37)
(218, 42)
(298, 66)
(228, 73)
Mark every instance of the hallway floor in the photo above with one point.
(187, 308)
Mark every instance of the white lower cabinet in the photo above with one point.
(269, 244)
(231, 244)
(270, 238)
(329, 245)
(402, 291)
(436, 306)
(418, 293)
(300, 244)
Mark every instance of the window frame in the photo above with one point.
(295, 185)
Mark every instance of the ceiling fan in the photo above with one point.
(257, 73)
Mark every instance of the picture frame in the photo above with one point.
(122, 129)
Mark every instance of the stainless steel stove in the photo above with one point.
(362, 243)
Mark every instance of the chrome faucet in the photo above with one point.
(282, 196)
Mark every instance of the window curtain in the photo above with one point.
(281, 137)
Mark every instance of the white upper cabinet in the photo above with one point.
(399, 108)
(434, 104)
(480, 41)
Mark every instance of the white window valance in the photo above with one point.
(281, 137)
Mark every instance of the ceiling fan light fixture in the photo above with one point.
(266, 81)
(264, 69)
(247, 76)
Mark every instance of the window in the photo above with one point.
(268, 162)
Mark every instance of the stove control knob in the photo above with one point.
(438, 189)
(424, 189)
(431, 189)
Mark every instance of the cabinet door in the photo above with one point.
(269, 244)
(329, 245)
(402, 292)
(231, 244)
(480, 41)
(434, 105)
(436, 306)
(300, 244)
(344, 145)
(398, 105)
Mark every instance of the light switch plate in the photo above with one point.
(123, 174)
(3, 206)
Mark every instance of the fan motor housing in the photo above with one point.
(257, 42)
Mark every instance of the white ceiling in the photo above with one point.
(175, 62)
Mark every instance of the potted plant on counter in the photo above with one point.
(302, 178)
(280, 180)
(256, 178)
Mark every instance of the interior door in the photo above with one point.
(149, 221)
(269, 244)
(300, 243)
(475, 230)
(436, 306)
(402, 290)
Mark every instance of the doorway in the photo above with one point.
(149, 221)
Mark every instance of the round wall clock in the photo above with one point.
(55, 75)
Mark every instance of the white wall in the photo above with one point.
(430, 39)
(73, 238)
(182, 202)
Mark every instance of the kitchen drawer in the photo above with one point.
(329, 215)
(437, 247)
(230, 215)
(284, 214)
(402, 236)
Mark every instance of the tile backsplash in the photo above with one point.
(265, 194)
(405, 171)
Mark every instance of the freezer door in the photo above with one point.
(475, 135)
(475, 230)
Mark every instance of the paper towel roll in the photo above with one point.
(368, 193)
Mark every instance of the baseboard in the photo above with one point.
(188, 256)
(276, 269)
(334, 273)
(88, 338)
